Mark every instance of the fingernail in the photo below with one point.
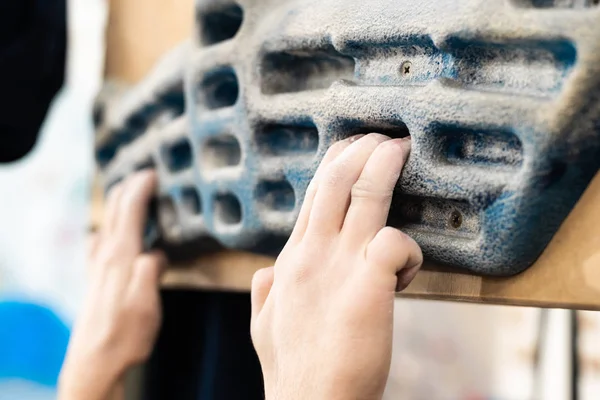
(406, 138)
(355, 137)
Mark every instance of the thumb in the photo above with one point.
(395, 253)
(262, 281)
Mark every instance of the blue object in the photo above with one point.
(33, 342)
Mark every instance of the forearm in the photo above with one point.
(90, 381)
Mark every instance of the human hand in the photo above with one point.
(322, 317)
(121, 315)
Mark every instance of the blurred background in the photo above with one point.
(442, 350)
(44, 205)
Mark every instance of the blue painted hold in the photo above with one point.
(503, 112)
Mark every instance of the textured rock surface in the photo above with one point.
(501, 98)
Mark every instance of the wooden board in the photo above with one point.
(139, 32)
(567, 274)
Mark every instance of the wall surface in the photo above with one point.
(139, 32)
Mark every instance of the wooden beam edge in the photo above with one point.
(566, 275)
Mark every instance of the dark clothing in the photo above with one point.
(33, 40)
(204, 350)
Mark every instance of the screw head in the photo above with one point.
(406, 68)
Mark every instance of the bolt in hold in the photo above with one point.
(406, 68)
(456, 219)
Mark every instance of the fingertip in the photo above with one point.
(160, 258)
(376, 137)
(393, 154)
(133, 206)
(413, 265)
(354, 138)
(144, 178)
(394, 250)
(403, 144)
(158, 255)
(416, 255)
(139, 181)
(405, 277)
(337, 148)
(147, 174)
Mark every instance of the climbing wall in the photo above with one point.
(501, 99)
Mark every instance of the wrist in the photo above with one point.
(314, 390)
(88, 387)
(89, 378)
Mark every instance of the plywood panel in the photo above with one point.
(139, 32)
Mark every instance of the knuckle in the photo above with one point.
(395, 236)
(366, 188)
(155, 259)
(304, 266)
(301, 274)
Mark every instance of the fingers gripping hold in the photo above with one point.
(133, 208)
(372, 192)
(333, 195)
(111, 213)
(334, 151)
